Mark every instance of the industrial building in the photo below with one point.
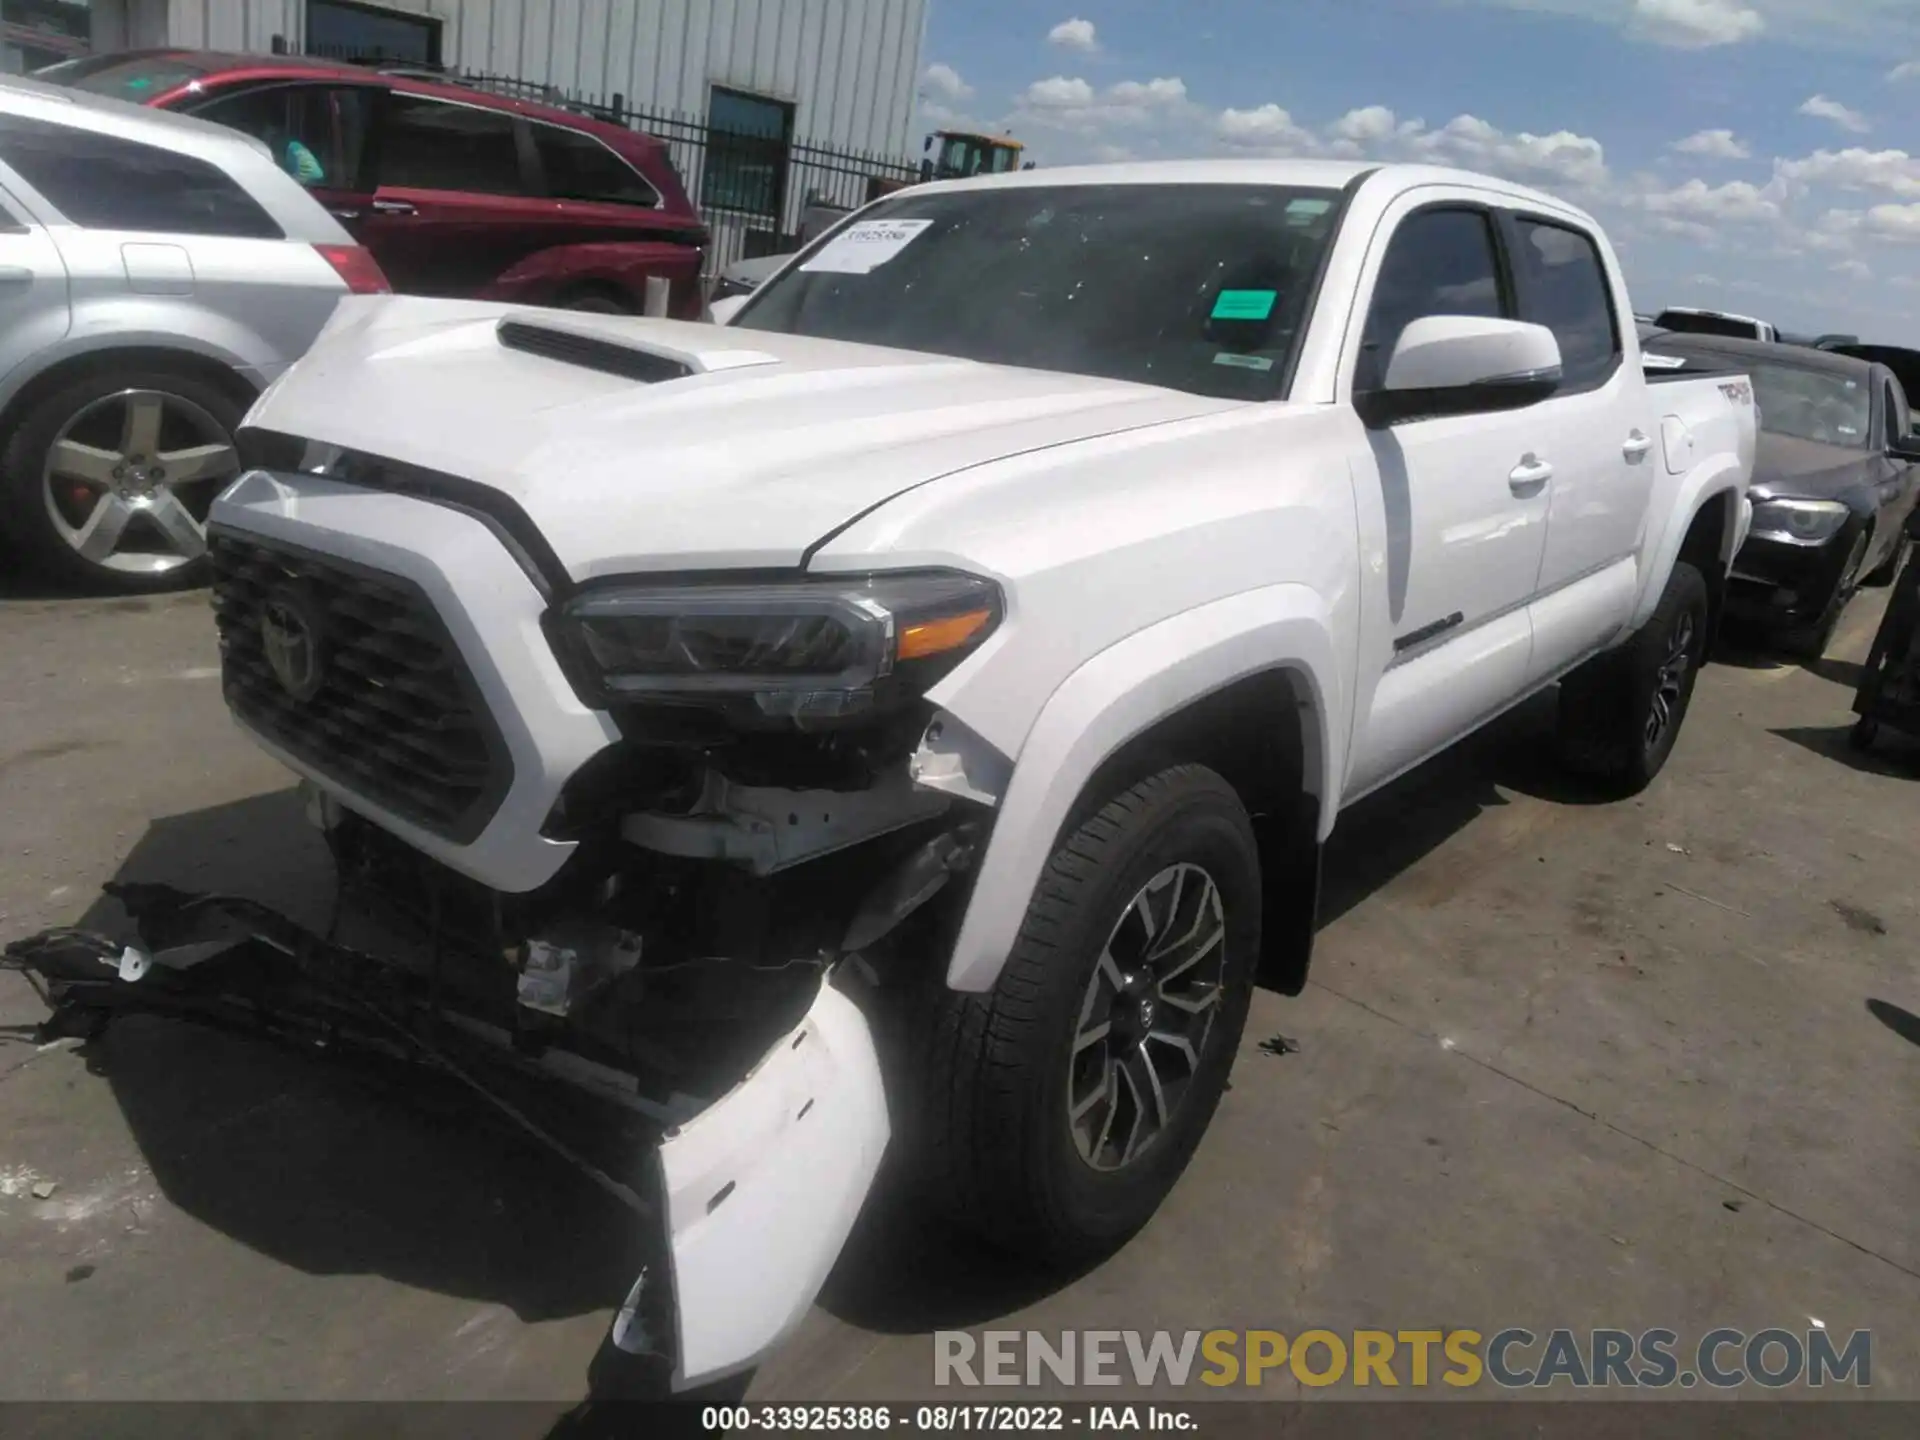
(830, 73)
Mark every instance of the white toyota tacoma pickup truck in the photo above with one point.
(910, 712)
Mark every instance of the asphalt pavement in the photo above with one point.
(1650, 1064)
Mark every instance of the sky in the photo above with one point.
(1759, 156)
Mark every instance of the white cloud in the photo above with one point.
(1074, 34)
(1714, 145)
(1894, 171)
(1059, 93)
(945, 82)
(1907, 70)
(1561, 158)
(1267, 128)
(1895, 222)
(1819, 107)
(1736, 203)
(1073, 105)
(1695, 24)
(1858, 269)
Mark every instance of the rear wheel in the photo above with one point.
(1056, 1112)
(109, 480)
(1621, 712)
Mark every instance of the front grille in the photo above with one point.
(387, 708)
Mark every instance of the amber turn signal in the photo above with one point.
(936, 637)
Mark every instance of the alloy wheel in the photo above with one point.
(1670, 681)
(130, 478)
(1146, 1016)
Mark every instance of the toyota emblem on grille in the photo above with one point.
(290, 635)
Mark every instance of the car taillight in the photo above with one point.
(356, 265)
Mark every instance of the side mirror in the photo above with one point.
(1463, 365)
(721, 311)
(1906, 448)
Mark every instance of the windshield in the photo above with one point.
(1813, 405)
(1202, 288)
(135, 77)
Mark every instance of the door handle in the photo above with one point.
(15, 275)
(393, 207)
(343, 213)
(1636, 446)
(1529, 475)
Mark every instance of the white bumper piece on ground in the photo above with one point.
(763, 1187)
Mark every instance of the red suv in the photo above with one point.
(455, 190)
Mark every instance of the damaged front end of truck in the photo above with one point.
(758, 830)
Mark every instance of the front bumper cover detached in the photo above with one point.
(746, 1203)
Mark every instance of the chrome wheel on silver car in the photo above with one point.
(1145, 1016)
(128, 480)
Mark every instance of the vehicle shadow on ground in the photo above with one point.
(1891, 753)
(334, 1167)
(337, 1169)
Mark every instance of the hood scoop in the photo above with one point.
(647, 361)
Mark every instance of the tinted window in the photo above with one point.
(1808, 404)
(317, 134)
(432, 145)
(1687, 323)
(579, 167)
(1194, 287)
(104, 183)
(1439, 262)
(1564, 287)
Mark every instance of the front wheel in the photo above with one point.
(1053, 1114)
(1621, 712)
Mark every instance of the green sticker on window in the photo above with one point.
(1243, 305)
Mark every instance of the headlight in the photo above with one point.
(1800, 522)
(811, 652)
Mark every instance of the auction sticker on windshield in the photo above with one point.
(864, 245)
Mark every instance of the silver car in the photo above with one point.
(156, 273)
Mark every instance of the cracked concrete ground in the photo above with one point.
(1649, 1064)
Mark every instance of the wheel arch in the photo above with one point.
(1707, 537)
(222, 373)
(1247, 686)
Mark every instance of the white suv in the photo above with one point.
(156, 273)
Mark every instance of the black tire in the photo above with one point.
(24, 507)
(988, 1126)
(1607, 707)
(1863, 734)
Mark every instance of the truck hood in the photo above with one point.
(656, 445)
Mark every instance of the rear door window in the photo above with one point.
(1563, 286)
(101, 182)
(429, 144)
(317, 133)
(1439, 262)
(579, 167)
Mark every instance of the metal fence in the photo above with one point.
(759, 194)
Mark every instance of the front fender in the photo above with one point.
(1120, 694)
(1721, 481)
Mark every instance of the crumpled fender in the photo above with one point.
(763, 1187)
(1121, 693)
